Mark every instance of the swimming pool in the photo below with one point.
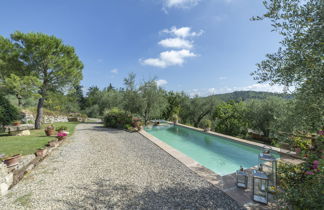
(221, 155)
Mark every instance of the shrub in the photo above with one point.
(302, 186)
(62, 128)
(137, 122)
(116, 118)
(8, 113)
(174, 118)
(205, 123)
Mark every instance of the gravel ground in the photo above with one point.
(100, 168)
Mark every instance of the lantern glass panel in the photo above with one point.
(260, 187)
(269, 166)
(241, 179)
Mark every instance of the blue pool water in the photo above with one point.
(221, 155)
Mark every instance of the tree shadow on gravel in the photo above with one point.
(102, 129)
(107, 195)
(91, 123)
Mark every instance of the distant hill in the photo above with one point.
(245, 95)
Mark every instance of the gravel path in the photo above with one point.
(100, 168)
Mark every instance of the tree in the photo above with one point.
(262, 115)
(78, 95)
(46, 57)
(131, 97)
(22, 87)
(8, 113)
(152, 100)
(8, 59)
(173, 105)
(299, 60)
(110, 87)
(229, 118)
(200, 108)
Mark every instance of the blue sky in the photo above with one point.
(198, 46)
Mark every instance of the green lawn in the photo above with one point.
(10, 145)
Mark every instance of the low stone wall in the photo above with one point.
(54, 119)
(9, 176)
(6, 179)
(29, 118)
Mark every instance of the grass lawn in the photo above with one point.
(11, 145)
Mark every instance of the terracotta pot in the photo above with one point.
(49, 132)
(13, 160)
(41, 152)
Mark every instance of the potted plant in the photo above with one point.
(62, 129)
(16, 123)
(175, 119)
(61, 136)
(41, 152)
(49, 130)
(13, 160)
(137, 123)
(206, 125)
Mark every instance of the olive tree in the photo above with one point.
(131, 96)
(152, 100)
(299, 60)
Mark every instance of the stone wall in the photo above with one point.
(6, 179)
(29, 118)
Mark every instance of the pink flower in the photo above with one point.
(316, 162)
(309, 173)
(61, 134)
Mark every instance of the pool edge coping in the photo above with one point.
(207, 174)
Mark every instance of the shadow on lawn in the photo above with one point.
(107, 195)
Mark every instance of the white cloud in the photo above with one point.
(183, 32)
(195, 92)
(176, 43)
(169, 58)
(222, 78)
(161, 82)
(114, 71)
(263, 87)
(211, 91)
(180, 3)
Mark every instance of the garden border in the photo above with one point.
(19, 171)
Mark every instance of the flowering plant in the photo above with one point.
(61, 134)
(50, 127)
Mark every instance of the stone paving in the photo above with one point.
(100, 168)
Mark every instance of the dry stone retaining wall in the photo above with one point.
(28, 117)
(6, 179)
(10, 176)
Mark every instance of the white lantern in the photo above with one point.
(269, 166)
(260, 187)
(241, 178)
